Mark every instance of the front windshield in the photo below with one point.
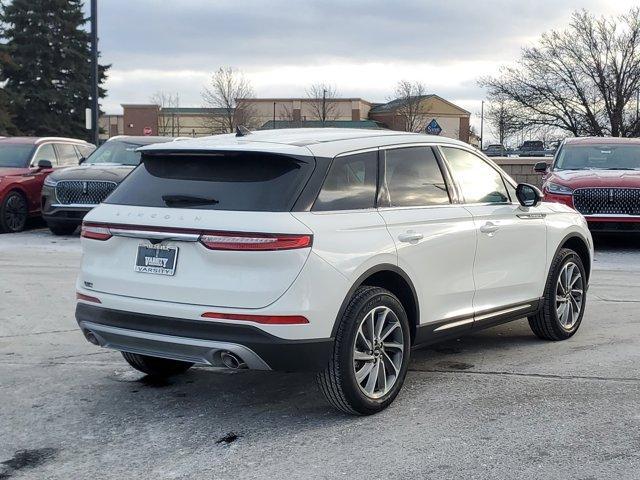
(115, 151)
(15, 155)
(600, 157)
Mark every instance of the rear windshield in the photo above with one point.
(226, 181)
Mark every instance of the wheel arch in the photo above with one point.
(580, 245)
(394, 279)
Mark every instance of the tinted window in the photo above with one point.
(414, 178)
(116, 151)
(226, 181)
(45, 152)
(15, 155)
(66, 154)
(350, 183)
(479, 181)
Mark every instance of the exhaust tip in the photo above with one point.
(91, 337)
(231, 360)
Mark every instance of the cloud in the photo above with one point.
(361, 46)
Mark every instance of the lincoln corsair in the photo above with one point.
(327, 250)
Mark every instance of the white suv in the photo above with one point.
(327, 250)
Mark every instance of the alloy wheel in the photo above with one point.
(378, 351)
(15, 213)
(569, 295)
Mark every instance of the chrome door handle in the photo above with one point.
(410, 237)
(489, 228)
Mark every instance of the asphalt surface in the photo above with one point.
(499, 404)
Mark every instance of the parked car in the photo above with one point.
(25, 162)
(68, 195)
(599, 177)
(532, 148)
(495, 150)
(327, 250)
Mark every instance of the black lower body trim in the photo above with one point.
(279, 354)
(455, 327)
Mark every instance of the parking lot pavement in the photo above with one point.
(496, 404)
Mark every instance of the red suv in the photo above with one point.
(599, 177)
(24, 164)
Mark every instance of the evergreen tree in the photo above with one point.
(45, 61)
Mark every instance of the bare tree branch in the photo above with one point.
(322, 102)
(583, 79)
(168, 124)
(230, 92)
(410, 96)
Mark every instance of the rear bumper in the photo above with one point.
(200, 341)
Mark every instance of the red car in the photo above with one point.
(24, 164)
(599, 177)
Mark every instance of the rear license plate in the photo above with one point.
(156, 259)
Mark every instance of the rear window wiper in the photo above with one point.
(181, 200)
(620, 168)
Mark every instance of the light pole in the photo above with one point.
(324, 106)
(274, 114)
(95, 106)
(481, 124)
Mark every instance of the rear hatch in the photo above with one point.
(209, 229)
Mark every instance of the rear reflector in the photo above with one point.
(95, 232)
(87, 298)
(254, 241)
(262, 319)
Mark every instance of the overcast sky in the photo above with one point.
(363, 47)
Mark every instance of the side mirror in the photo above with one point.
(528, 195)
(541, 167)
(44, 165)
(81, 161)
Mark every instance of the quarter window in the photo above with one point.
(350, 183)
(479, 181)
(414, 178)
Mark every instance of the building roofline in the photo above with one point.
(302, 99)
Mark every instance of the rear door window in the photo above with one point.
(350, 184)
(414, 178)
(237, 181)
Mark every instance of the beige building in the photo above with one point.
(295, 110)
(449, 119)
(443, 117)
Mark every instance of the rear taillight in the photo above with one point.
(262, 319)
(254, 241)
(95, 232)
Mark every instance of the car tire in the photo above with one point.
(13, 213)
(562, 310)
(60, 229)
(155, 366)
(344, 382)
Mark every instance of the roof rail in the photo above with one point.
(53, 139)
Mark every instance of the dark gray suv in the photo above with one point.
(67, 195)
